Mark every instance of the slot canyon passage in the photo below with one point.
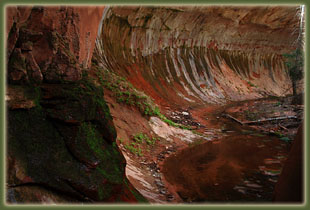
(154, 104)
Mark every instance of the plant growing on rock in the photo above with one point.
(294, 63)
(124, 92)
(140, 140)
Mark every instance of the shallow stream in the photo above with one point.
(243, 164)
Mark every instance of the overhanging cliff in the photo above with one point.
(206, 54)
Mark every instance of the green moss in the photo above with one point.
(47, 148)
(108, 156)
(137, 195)
(125, 93)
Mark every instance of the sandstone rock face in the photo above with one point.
(291, 186)
(50, 44)
(205, 54)
(61, 138)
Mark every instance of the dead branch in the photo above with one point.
(284, 128)
(259, 121)
(235, 119)
(270, 119)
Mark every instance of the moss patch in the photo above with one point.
(125, 93)
(68, 141)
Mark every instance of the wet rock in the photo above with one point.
(163, 191)
(152, 166)
(170, 197)
(51, 145)
(159, 183)
(185, 113)
(156, 175)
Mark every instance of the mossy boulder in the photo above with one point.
(67, 144)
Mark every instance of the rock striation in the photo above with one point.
(206, 54)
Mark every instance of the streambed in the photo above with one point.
(242, 165)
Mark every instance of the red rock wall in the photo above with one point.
(290, 186)
(200, 54)
(60, 42)
(51, 157)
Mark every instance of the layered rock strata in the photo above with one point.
(201, 54)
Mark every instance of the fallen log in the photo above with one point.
(269, 119)
(284, 128)
(233, 118)
(259, 121)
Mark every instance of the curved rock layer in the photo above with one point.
(206, 54)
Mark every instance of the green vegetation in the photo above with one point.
(169, 122)
(134, 149)
(251, 115)
(278, 103)
(251, 84)
(278, 134)
(286, 139)
(195, 143)
(139, 140)
(137, 195)
(282, 137)
(124, 92)
(294, 63)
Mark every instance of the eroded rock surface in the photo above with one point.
(50, 43)
(61, 138)
(200, 54)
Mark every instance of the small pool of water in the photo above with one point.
(242, 166)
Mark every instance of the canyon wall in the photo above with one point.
(61, 138)
(50, 44)
(211, 54)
